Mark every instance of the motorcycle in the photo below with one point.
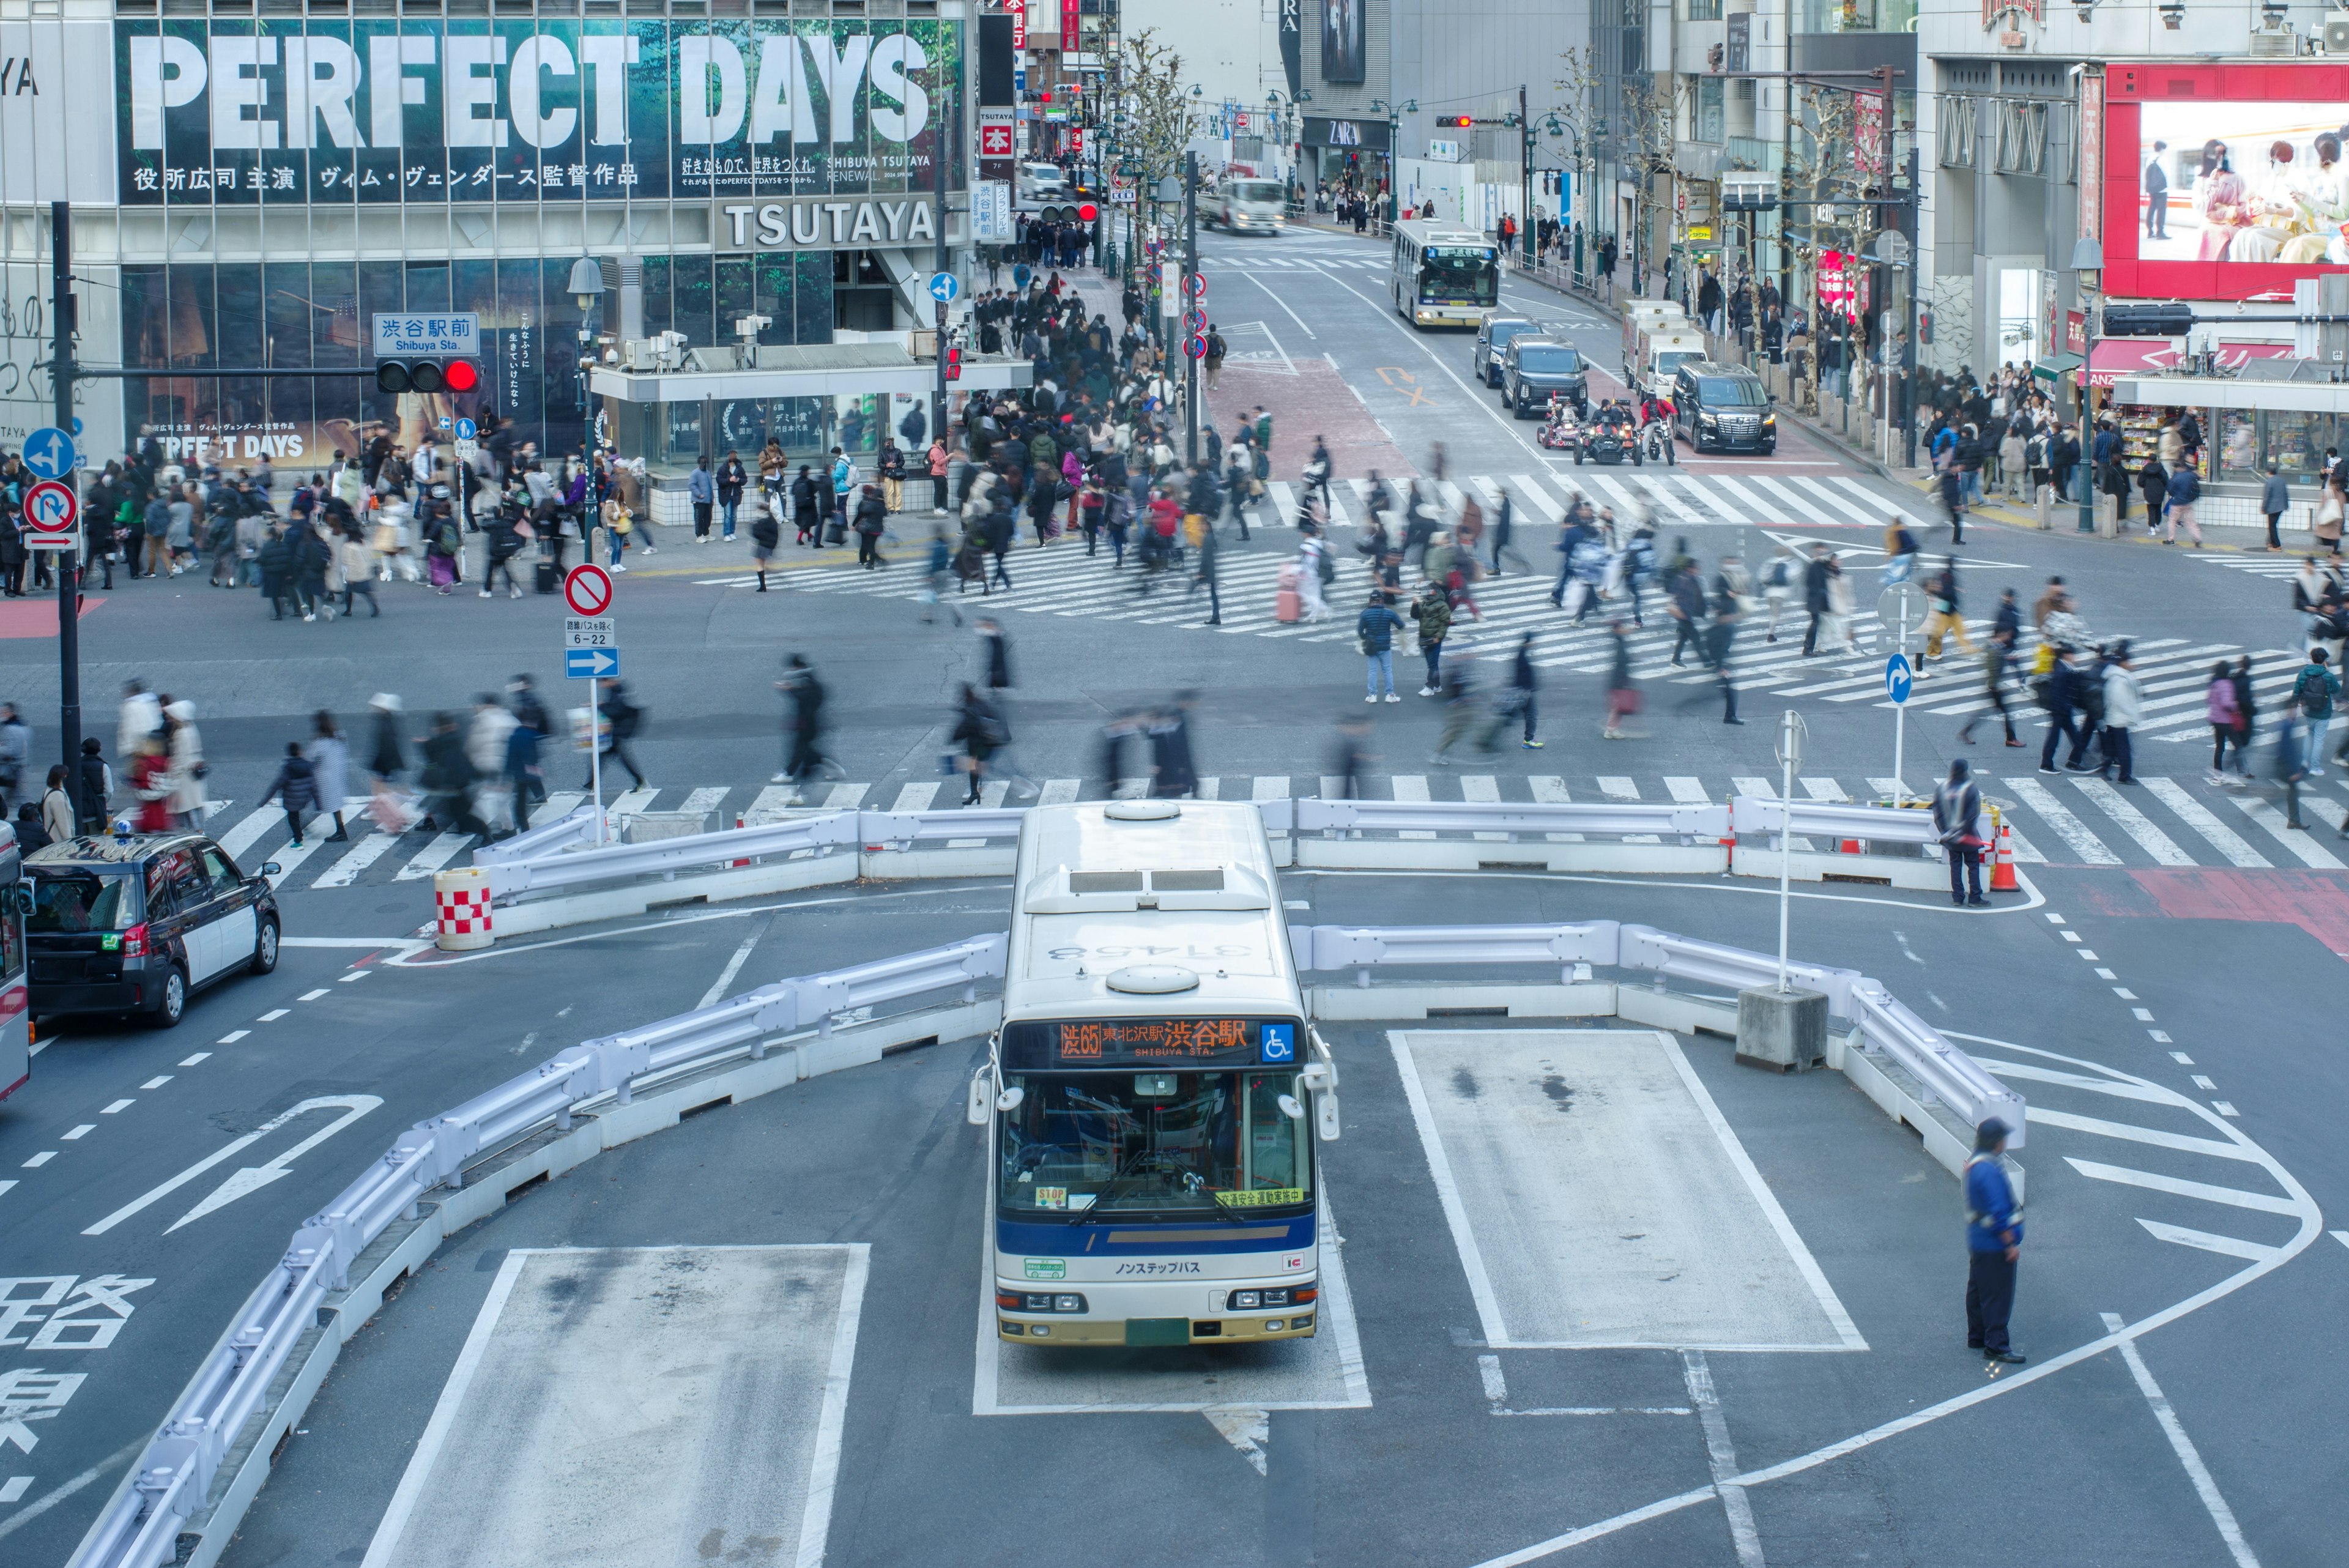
(1559, 431)
(1607, 441)
(1656, 441)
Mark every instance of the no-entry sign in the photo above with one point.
(587, 589)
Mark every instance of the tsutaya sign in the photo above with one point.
(817, 224)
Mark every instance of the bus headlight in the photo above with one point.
(1286, 1296)
(1039, 1302)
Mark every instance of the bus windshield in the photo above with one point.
(1459, 275)
(1140, 1143)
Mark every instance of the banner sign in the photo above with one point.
(405, 110)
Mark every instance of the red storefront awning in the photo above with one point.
(2109, 359)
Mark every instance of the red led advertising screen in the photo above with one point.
(2223, 181)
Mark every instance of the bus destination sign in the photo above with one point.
(1152, 1042)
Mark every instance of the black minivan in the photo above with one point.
(136, 924)
(1533, 368)
(1724, 408)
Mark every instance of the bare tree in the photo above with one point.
(1155, 125)
(1654, 109)
(1579, 108)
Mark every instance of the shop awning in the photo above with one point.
(2056, 365)
(2110, 358)
(822, 370)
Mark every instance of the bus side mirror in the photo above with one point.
(20, 897)
(974, 1112)
(1325, 1108)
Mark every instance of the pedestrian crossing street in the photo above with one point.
(2070, 819)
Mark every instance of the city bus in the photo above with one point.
(1444, 275)
(15, 991)
(1152, 1096)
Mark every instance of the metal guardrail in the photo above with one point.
(547, 859)
(175, 1473)
(1696, 822)
(575, 827)
(1885, 1026)
(1829, 819)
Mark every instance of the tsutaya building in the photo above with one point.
(266, 184)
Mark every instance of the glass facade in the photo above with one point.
(266, 185)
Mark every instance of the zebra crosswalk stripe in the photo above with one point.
(2135, 822)
(2198, 817)
(2068, 828)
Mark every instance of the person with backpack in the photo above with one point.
(296, 787)
(1957, 824)
(1374, 631)
(97, 786)
(2124, 709)
(2184, 488)
(2315, 690)
(1433, 613)
(2219, 708)
(979, 729)
(626, 719)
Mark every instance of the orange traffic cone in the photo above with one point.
(2002, 871)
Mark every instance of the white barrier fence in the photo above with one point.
(552, 876)
(203, 1461)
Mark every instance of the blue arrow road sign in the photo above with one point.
(465, 430)
(49, 454)
(1897, 681)
(944, 287)
(590, 663)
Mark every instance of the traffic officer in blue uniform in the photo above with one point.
(1993, 1242)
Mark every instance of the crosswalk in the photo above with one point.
(2075, 820)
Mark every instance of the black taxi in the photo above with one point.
(135, 924)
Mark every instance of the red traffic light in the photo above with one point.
(1087, 212)
(954, 364)
(1455, 120)
(426, 376)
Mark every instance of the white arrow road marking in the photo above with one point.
(251, 1179)
(1247, 1429)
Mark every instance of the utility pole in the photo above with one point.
(1525, 199)
(61, 376)
(939, 186)
(1190, 270)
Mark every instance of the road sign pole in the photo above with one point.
(1190, 269)
(1791, 732)
(1900, 719)
(938, 156)
(61, 377)
(595, 753)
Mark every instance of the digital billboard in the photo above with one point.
(2223, 182)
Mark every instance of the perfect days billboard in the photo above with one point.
(298, 111)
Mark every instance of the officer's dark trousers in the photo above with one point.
(1990, 1298)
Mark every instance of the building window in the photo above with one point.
(1708, 110)
(1704, 10)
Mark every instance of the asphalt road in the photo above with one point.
(2187, 903)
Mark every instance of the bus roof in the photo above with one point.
(1424, 232)
(1101, 887)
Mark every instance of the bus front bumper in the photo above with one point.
(1156, 1330)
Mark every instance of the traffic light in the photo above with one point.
(954, 363)
(1456, 121)
(426, 376)
(2148, 320)
(1087, 212)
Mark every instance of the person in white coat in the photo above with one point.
(330, 767)
(187, 769)
(139, 717)
(2124, 710)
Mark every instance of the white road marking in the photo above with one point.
(347, 867)
(2294, 839)
(2135, 822)
(2203, 1191)
(2205, 1487)
(433, 857)
(2217, 1149)
(85, 1129)
(2068, 828)
(733, 967)
(2229, 1246)
(916, 796)
(2198, 817)
(1722, 1455)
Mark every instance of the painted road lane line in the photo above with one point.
(2206, 1486)
(2204, 1240)
(2173, 1185)
(2135, 822)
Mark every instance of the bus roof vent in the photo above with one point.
(1142, 810)
(1152, 979)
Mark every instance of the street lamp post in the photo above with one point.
(2087, 261)
(586, 290)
